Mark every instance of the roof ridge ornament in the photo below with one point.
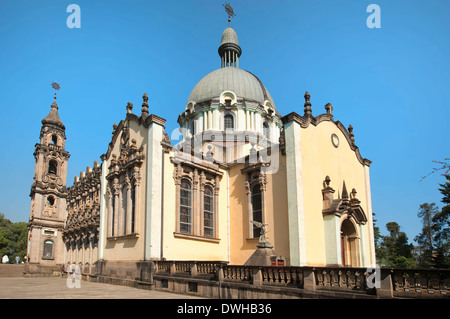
(144, 111)
(307, 104)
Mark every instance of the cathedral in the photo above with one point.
(236, 179)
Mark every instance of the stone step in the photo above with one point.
(12, 270)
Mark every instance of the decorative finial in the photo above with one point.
(129, 107)
(230, 12)
(327, 181)
(56, 86)
(144, 110)
(350, 131)
(329, 108)
(307, 104)
(353, 194)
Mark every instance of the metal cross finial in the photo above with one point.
(56, 87)
(230, 12)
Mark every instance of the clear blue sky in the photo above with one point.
(391, 84)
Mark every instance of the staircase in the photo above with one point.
(12, 270)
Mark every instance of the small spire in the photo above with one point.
(53, 116)
(144, 111)
(344, 193)
(307, 104)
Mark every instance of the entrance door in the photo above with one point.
(349, 244)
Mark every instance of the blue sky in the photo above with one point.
(391, 83)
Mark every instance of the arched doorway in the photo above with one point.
(349, 244)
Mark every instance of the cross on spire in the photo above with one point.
(56, 87)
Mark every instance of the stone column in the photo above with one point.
(116, 192)
(153, 212)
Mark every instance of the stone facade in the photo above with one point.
(48, 194)
(80, 233)
(235, 163)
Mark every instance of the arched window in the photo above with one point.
(208, 212)
(54, 139)
(228, 122)
(48, 249)
(256, 209)
(50, 200)
(52, 165)
(185, 207)
(266, 130)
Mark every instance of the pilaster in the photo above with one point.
(296, 213)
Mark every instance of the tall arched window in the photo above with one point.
(208, 212)
(48, 249)
(256, 209)
(52, 166)
(185, 207)
(228, 122)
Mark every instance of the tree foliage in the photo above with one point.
(434, 240)
(394, 249)
(13, 239)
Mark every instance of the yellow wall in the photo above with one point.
(193, 248)
(319, 159)
(275, 214)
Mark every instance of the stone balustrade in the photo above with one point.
(308, 282)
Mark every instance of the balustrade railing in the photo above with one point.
(386, 283)
(420, 281)
(342, 278)
(287, 276)
(237, 273)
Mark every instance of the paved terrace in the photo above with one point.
(13, 285)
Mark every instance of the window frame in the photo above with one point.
(209, 228)
(255, 230)
(228, 116)
(45, 247)
(187, 207)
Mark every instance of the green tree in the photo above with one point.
(394, 250)
(13, 238)
(432, 240)
(441, 228)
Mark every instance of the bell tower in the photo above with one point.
(49, 192)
